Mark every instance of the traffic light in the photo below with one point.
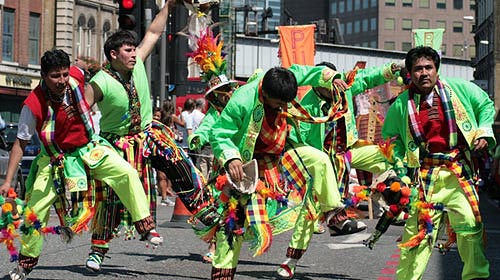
(130, 17)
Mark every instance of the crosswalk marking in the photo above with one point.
(352, 241)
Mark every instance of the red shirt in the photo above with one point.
(70, 131)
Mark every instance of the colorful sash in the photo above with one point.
(82, 202)
(134, 105)
(449, 113)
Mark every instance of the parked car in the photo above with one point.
(9, 135)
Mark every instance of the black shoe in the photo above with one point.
(347, 227)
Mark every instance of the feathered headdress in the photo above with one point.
(208, 54)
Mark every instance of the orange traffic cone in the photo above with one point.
(180, 216)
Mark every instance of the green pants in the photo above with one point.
(113, 170)
(320, 168)
(366, 158)
(469, 233)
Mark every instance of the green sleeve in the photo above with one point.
(371, 77)
(312, 76)
(396, 128)
(228, 130)
(200, 137)
(482, 107)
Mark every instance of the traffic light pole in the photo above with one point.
(163, 62)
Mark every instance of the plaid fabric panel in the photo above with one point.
(433, 163)
(256, 211)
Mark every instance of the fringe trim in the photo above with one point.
(223, 273)
(27, 262)
(263, 238)
(145, 225)
(294, 253)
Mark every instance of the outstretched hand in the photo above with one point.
(235, 169)
(480, 144)
(341, 84)
(4, 189)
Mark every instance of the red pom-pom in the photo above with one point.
(381, 187)
(394, 209)
(404, 200)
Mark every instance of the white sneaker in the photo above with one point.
(167, 202)
(18, 273)
(153, 238)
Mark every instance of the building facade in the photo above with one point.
(487, 41)
(29, 28)
(388, 24)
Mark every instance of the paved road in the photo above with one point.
(181, 256)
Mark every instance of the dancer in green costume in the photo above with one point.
(254, 125)
(340, 140)
(72, 157)
(121, 90)
(437, 123)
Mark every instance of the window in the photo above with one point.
(443, 49)
(34, 39)
(458, 27)
(424, 4)
(390, 3)
(389, 24)
(365, 25)
(407, 3)
(389, 45)
(79, 34)
(106, 28)
(406, 24)
(424, 23)
(458, 4)
(472, 51)
(472, 5)
(406, 46)
(441, 24)
(373, 24)
(349, 6)
(366, 4)
(357, 26)
(89, 49)
(349, 28)
(341, 7)
(458, 51)
(373, 44)
(333, 8)
(374, 3)
(8, 35)
(357, 5)
(441, 4)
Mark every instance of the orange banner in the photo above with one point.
(297, 44)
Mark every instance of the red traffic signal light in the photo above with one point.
(127, 4)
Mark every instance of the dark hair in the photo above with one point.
(200, 103)
(189, 104)
(54, 59)
(117, 40)
(169, 110)
(421, 51)
(327, 64)
(280, 83)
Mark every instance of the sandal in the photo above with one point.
(286, 272)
